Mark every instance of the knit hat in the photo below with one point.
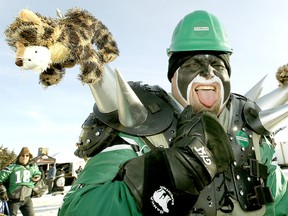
(178, 58)
(25, 151)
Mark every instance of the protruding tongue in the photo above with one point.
(207, 97)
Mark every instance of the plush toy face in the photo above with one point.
(36, 58)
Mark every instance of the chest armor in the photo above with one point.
(244, 181)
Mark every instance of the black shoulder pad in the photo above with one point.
(250, 114)
(162, 112)
(94, 137)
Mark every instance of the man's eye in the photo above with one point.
(218, 66)
(191, 66)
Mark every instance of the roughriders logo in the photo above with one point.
(161, 198)
(202, 153)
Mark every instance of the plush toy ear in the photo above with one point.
(28, 16)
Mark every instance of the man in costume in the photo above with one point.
(203, 151)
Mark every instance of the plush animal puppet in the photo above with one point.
(282, 75)
(50, 45)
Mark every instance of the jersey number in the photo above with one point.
(25, 178)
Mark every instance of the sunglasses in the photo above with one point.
(25, 155)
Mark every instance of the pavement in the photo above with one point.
(48, 204)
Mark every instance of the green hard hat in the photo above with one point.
(199, 31)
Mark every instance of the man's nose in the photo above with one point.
(207, 71)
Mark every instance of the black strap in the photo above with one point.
(264, 195)
(228, 205)
(257, 170)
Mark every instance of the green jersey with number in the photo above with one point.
(15, 175)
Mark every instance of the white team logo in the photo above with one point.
(202, 153)
(161, 198)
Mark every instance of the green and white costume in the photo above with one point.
(96, 193)
(17, 179)
(147, 157)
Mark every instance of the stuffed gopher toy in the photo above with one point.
(50, 45)
(282, 75)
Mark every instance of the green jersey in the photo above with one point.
(15, 175)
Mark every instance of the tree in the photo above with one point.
(6, 157)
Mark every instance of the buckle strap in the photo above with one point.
(262, 196)
(228, 205)
(257, 169)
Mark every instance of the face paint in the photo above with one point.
(202, 81)
(206, 94)
(176, 91)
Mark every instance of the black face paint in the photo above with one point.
(206, 66)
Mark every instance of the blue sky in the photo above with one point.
(36, 117)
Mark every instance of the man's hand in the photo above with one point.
(204, 127)
(3, 193)
(170, 180)
(4, 196)
(36, 178)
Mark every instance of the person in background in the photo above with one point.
(17, 181)
(60, 171)
(43, 176)
(51, 174)
(203, 151)
(78, 170)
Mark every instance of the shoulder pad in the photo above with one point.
(162, 111)
(250, 114)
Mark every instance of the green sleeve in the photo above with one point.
(277, 181)
(5, 173)
(94, 193)
(35, 170)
